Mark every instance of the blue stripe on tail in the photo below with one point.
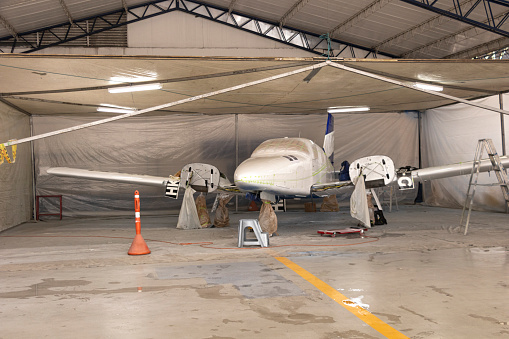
(328, 142)
(330, 124)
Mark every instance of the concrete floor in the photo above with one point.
(417, 277)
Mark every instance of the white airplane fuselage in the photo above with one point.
(285, 167)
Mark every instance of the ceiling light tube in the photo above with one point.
(114, 110)
(429, 87)
(135, 88)
(116, 106)
(344, 109)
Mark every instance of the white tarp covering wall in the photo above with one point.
(162, 145)
(157, 146)
(15, 179)
(450, 135)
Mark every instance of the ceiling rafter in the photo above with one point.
(9, 27)
(308, 41)
(456, 37)
(461, 13)
(480, 49)
(497, 54)
(231, 6)
(67, 12)
(359, 16)
(126, 8)
(292, 11)
(427, 25)
(16, 107)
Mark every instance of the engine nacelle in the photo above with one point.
(378, 170)
(201, 177)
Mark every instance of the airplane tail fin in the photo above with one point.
(328, 141)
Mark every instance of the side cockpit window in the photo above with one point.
(290, 157)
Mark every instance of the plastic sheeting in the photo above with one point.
(268, 218)
(450, 135)
(16, 178)
(152, 145)
(329, 204)
(201, 208)
(188, 217)
(222, 218)
(359, 203)
(162, 145)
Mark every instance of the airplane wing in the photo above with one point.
(331, 188)
(110, 176)
(379, 171)
(462, 168)
(201, 177)
(407, 176)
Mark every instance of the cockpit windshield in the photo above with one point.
(282, 147)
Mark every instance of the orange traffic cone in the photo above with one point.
(253, 206)
(138, 247)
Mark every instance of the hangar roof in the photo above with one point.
(45, 84)
(397, 28)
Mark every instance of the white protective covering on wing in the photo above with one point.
(445, 171)
(110, 176)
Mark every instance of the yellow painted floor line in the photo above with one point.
(361, 313)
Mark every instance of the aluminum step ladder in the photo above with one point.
(262, 238)
(498, 168)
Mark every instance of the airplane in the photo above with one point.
(286, 168)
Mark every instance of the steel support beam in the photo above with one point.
(502, 53)
(292, 11)
(9, 27)
(481, 49)
(462, 13)
(373, 7)
(86, 27)
(304, 40)
(427, 25)
(67, 12)
(231, 6)
(307, 41)
(126, 8)
(450, 39)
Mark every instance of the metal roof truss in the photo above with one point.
(84, 28)
(463, 12)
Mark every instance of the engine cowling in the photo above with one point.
(201, 177)
(378, 170)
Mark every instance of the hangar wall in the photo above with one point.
(15, 179)
(162, 145)
(450, 135)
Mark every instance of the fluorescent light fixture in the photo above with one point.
(343, 109)
(151, 76)
(115, 109)
(429, 87)
(135, 88)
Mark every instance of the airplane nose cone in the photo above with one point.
(257, 174)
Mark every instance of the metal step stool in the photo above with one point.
(262, 238)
